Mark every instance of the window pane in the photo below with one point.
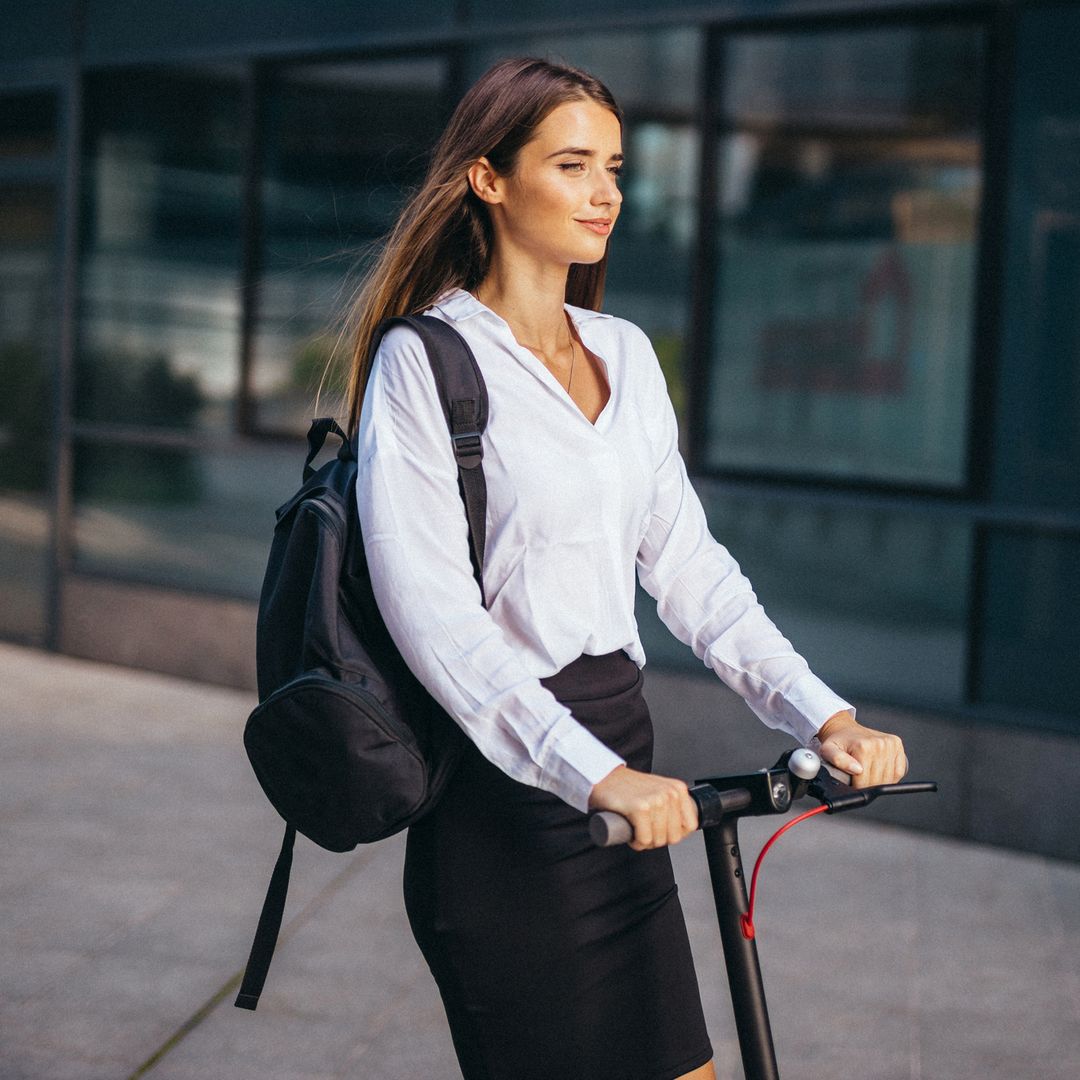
(160, 304)
(186, 518)
(849, 199)
(1030, 632)
(872, 80)
(27, 342)
(874, 600)
(343, 143)
(654, 78)
(1037, 452)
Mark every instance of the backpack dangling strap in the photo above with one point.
(266, 934)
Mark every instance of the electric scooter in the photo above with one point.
(721, 802)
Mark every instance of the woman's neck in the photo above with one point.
(532, 306)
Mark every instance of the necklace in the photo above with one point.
(573, 357)
(540, 356)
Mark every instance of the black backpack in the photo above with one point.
(346, 743)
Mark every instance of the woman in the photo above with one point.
(556, 960)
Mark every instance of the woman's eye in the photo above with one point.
(615, 170)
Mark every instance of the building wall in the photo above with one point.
(849, 230)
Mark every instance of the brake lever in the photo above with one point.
(838, 796)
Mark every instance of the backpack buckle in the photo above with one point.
(468, 449)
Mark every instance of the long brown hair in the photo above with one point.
(443, 237)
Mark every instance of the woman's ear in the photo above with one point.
(485, 181)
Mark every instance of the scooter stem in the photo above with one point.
(740, 953)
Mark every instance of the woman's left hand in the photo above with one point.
(870, 757)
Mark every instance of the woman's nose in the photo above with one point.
(608, 190)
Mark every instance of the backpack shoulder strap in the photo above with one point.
(465, 404)
(316, 436)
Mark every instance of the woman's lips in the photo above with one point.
(603, 228)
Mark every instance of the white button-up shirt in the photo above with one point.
(572, 508)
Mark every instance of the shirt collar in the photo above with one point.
(460, 304)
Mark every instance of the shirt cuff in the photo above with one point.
(574, 761)
(811, 705)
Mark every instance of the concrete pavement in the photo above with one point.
(136, 848)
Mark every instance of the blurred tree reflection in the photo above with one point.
(145, 391)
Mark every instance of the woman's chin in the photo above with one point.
(595, 253)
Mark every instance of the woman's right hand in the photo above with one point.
(659, 807)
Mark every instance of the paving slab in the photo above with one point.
(135, 849)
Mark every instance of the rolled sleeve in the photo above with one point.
(707, 602)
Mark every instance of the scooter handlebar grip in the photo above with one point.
(608, 829)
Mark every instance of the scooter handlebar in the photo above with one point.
(608, 828)
(767, 791)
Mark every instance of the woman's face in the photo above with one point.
(562, 200)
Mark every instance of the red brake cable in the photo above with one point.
(747, 920)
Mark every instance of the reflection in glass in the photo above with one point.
(160, 304)
(900, 79)
(27, 341)
(850, 181)
(344, 143)
(654, 77)
(875, 600)
(186, 518)
(1037, 449)
(1030, 638)
(1030, 632)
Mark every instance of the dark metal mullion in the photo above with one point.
(999, 71)
(851, 17)
(386, 44)
(826, 483)
(699, 351)
(142, 578)
(790, 129)
(162, 438)
(43, 169)
(1045, 521)
(62, 479)
(251, 232)
(196, 440)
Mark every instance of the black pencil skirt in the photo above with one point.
(555, 959)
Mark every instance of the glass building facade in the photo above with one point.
(853, 237)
